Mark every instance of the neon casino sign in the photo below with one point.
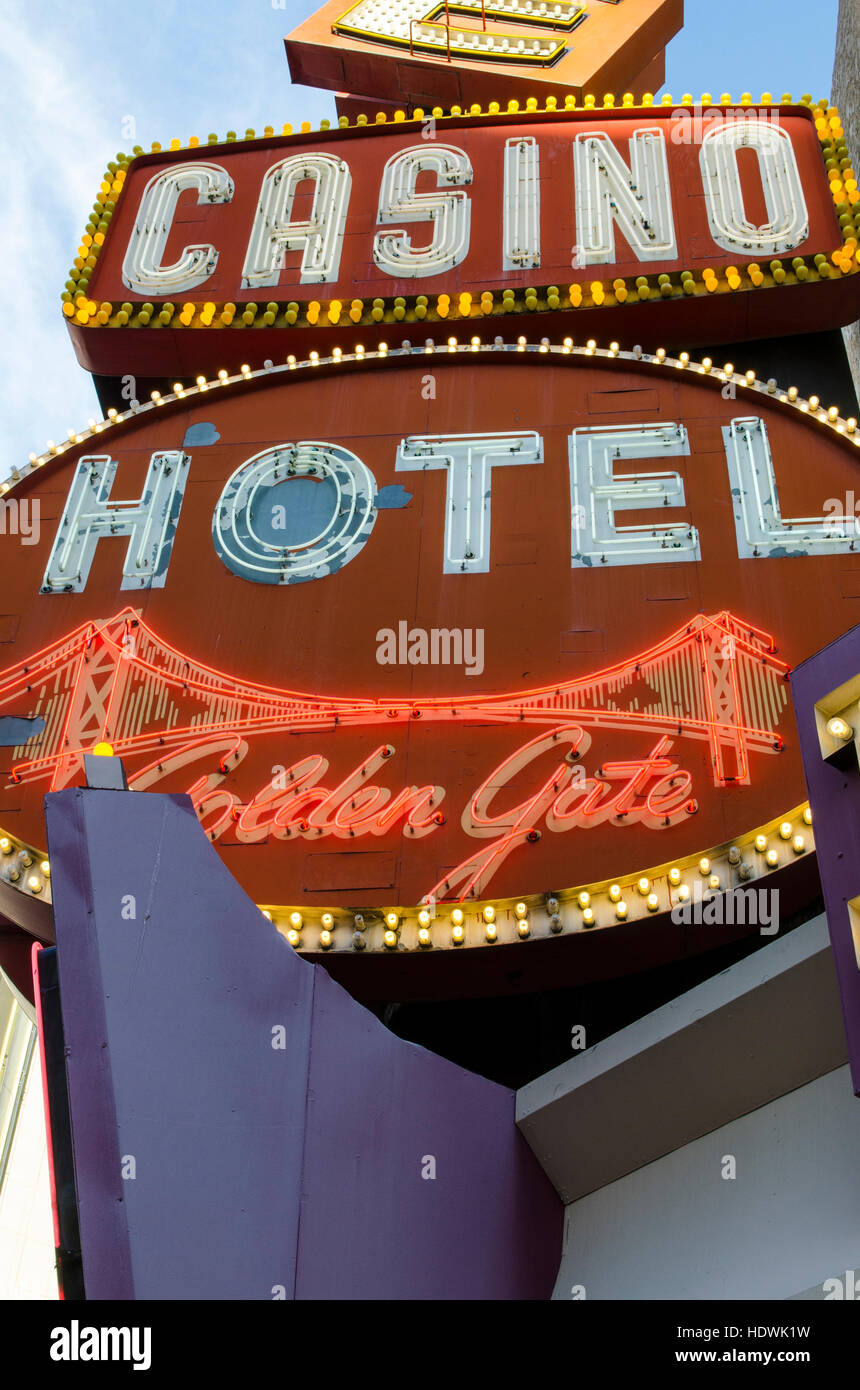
(669, 220)
(209, 599)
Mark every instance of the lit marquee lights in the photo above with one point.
(142, 270)
(840, 728)
(723, 216)
(419, 25)
(496, 920)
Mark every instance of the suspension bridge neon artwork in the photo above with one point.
(715, 681)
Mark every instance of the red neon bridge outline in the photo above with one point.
(716, 678)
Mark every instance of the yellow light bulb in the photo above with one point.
(840, 728)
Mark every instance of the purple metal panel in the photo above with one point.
(485, 1226)
(168, 1018)
(834, 795)
(259, 1168)
(101, 1208)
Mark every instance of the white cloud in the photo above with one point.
(55, 151)
(71, 74)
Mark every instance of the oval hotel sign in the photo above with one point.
(505, 624)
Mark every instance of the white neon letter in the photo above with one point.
(759, 525)
(450, 212)
(597, 493)
(638, 198)
(142, 270)
(89, 516)
(320, 238)
(248, 516)
(468, 459)
(788, 219)
(521, 235)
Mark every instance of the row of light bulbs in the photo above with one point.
(15, 860)
(826, 415)
(486, 916)
(394, 920)
(829, 114)
(845, 196)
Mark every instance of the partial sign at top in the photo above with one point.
(449, 51)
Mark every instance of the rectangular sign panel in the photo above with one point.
(684, 224)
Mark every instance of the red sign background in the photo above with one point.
(544, 623)
(228, 225)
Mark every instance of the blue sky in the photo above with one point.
(74, 74)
